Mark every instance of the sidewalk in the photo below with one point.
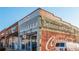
(9, 49)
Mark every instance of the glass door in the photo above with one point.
(27, 43)
(34, 42)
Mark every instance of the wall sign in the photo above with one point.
(49, 40)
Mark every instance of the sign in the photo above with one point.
(13, 29)
(49, 40)
(24, 36)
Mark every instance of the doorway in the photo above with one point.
(29, 42)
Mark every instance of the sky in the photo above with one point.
(10, 15)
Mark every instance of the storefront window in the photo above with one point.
(12, 45)
(34, 43)
(23, 46)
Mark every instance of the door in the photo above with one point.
(34, 43)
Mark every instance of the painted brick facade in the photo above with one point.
(56, 37)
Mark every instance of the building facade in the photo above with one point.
(9, 37)
(40, 31)
(29, 31)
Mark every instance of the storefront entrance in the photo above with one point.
(29, 42)
(12, 41)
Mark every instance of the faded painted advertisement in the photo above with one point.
(49, 40)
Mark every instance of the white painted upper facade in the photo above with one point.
(29, 22)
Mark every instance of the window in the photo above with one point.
(12, 45)
(23, 46)
(28, 46)
(34, 46)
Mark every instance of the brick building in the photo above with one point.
(40, 31)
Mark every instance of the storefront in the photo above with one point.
(29, 32)
(2, 38)
(2, 42)
(12, 37)
(29, 41)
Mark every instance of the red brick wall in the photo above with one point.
(56, 36)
